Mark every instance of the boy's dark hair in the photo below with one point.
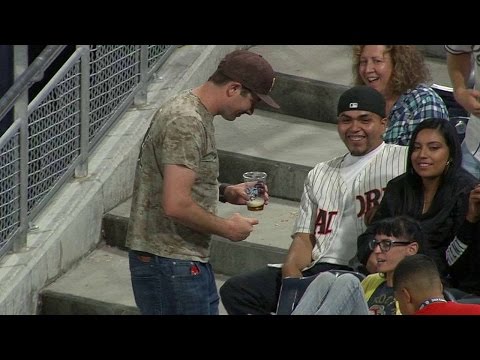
(415, 266)
(402, 226)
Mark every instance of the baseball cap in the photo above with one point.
(362, 97)
(252, 71)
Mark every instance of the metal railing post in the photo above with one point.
(20, 64)
(141, 97)
(82, 169)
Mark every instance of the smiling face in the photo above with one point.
(430, 154)
(376, 67)
(361, 130)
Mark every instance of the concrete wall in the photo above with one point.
(437, 51)
(70, 226)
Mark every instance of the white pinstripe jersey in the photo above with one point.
(325, 193)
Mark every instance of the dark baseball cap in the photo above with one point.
(252, 71)
(362, 97)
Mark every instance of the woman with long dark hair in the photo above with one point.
(443, 197)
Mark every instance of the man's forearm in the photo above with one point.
(459, 68)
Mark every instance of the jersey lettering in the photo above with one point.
(370, 199)
(324, 222)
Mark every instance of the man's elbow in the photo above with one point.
(172, 210)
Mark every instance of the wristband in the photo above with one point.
(221, 192)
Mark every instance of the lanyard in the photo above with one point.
(431, 301)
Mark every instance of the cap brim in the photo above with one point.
(268, 100)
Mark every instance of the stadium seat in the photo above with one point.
(457, 114)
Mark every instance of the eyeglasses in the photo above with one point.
(386, 245)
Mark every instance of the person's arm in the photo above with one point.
(299, 255)
(467, 234)
(459, 69)
(179, 205)
(473, 213)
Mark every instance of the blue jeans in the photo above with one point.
(329, 294)
(164, 286)
(469, 162)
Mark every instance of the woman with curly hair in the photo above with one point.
(400, 74)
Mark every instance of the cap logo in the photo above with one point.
(362, 97)
(271, 87)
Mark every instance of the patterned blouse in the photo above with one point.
(411, 108)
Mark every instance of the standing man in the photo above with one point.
(460, 67)
(337, 194)
(176, 190)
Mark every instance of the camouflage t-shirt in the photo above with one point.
(182, 133)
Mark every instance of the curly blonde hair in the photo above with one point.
(409, 68)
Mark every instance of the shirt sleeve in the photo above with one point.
(459, 49)
(183, 143)
(307, 209)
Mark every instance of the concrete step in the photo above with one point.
(99, 285)
(309, 87)
(333, 63)
(306, 98)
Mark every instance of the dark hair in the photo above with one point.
(418, 265)
(219, 78)
(448, 132)
(401, 226)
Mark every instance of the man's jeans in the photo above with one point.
(164, 286)
(329, 294)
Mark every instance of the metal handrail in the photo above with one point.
(31, 75)
(75, 82)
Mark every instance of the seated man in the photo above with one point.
(337, 194)
(419, 290)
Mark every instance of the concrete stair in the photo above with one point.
(98, 285)
(286, 144)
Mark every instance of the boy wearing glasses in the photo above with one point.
(395, 238)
